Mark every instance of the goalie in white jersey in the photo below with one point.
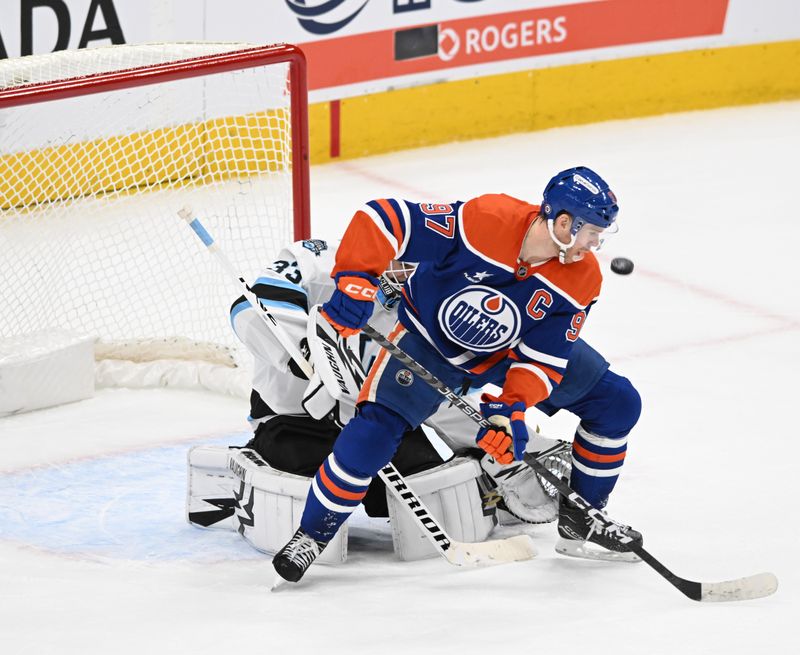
(296, 421)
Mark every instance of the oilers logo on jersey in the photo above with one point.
(480, 319)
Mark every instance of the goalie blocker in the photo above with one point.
(235, 489)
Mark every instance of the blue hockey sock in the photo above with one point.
(364, 446)
(596, 464)
(334, 495)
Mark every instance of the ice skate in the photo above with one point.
(581, 536)
(294, 558)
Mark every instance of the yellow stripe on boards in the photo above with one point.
(559, 96)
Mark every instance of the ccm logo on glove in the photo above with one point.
(357, 290)
(505, 441)
(350, 306)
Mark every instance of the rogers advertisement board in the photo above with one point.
(512, 35)
(364, 46)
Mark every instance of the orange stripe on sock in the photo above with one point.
(336, 490)
(595, 457)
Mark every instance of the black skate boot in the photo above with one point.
(295, 557)
(581, 536)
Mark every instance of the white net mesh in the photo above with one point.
(90, 186)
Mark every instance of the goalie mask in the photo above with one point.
(390, 283)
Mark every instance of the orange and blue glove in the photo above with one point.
(505, 441)
(351, 303)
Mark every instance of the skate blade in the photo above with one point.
(587, 550)
(278, 583)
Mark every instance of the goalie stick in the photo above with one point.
(747, 588)
(496, 551)
(186, 214)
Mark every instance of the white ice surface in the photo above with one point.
(95, 556)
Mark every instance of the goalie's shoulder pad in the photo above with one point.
(315, 259)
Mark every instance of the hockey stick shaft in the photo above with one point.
(453, 551)
(756, 586)
(278, 332)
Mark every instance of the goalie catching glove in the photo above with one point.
(351, 303)
(506, 441)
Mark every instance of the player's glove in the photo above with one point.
(350, 306)
(505, 442)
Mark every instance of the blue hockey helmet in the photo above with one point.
(584, 195)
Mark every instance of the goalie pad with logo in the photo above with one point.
(453, 495)
(235, 489)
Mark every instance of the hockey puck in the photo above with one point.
(622, 266)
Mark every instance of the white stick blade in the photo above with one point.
(754, 586)
(489, 553)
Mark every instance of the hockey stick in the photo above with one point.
(186, 214)
(747, 588)
(497, 551)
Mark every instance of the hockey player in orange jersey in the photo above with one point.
(501, 292)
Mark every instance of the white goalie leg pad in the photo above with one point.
(209, 495)
(452, 494)
(235, 489)
(269, 506)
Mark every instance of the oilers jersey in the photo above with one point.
(468, 297)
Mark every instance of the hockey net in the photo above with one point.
(98, 150)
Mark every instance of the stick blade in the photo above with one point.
(749, 588)
(490, 553)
